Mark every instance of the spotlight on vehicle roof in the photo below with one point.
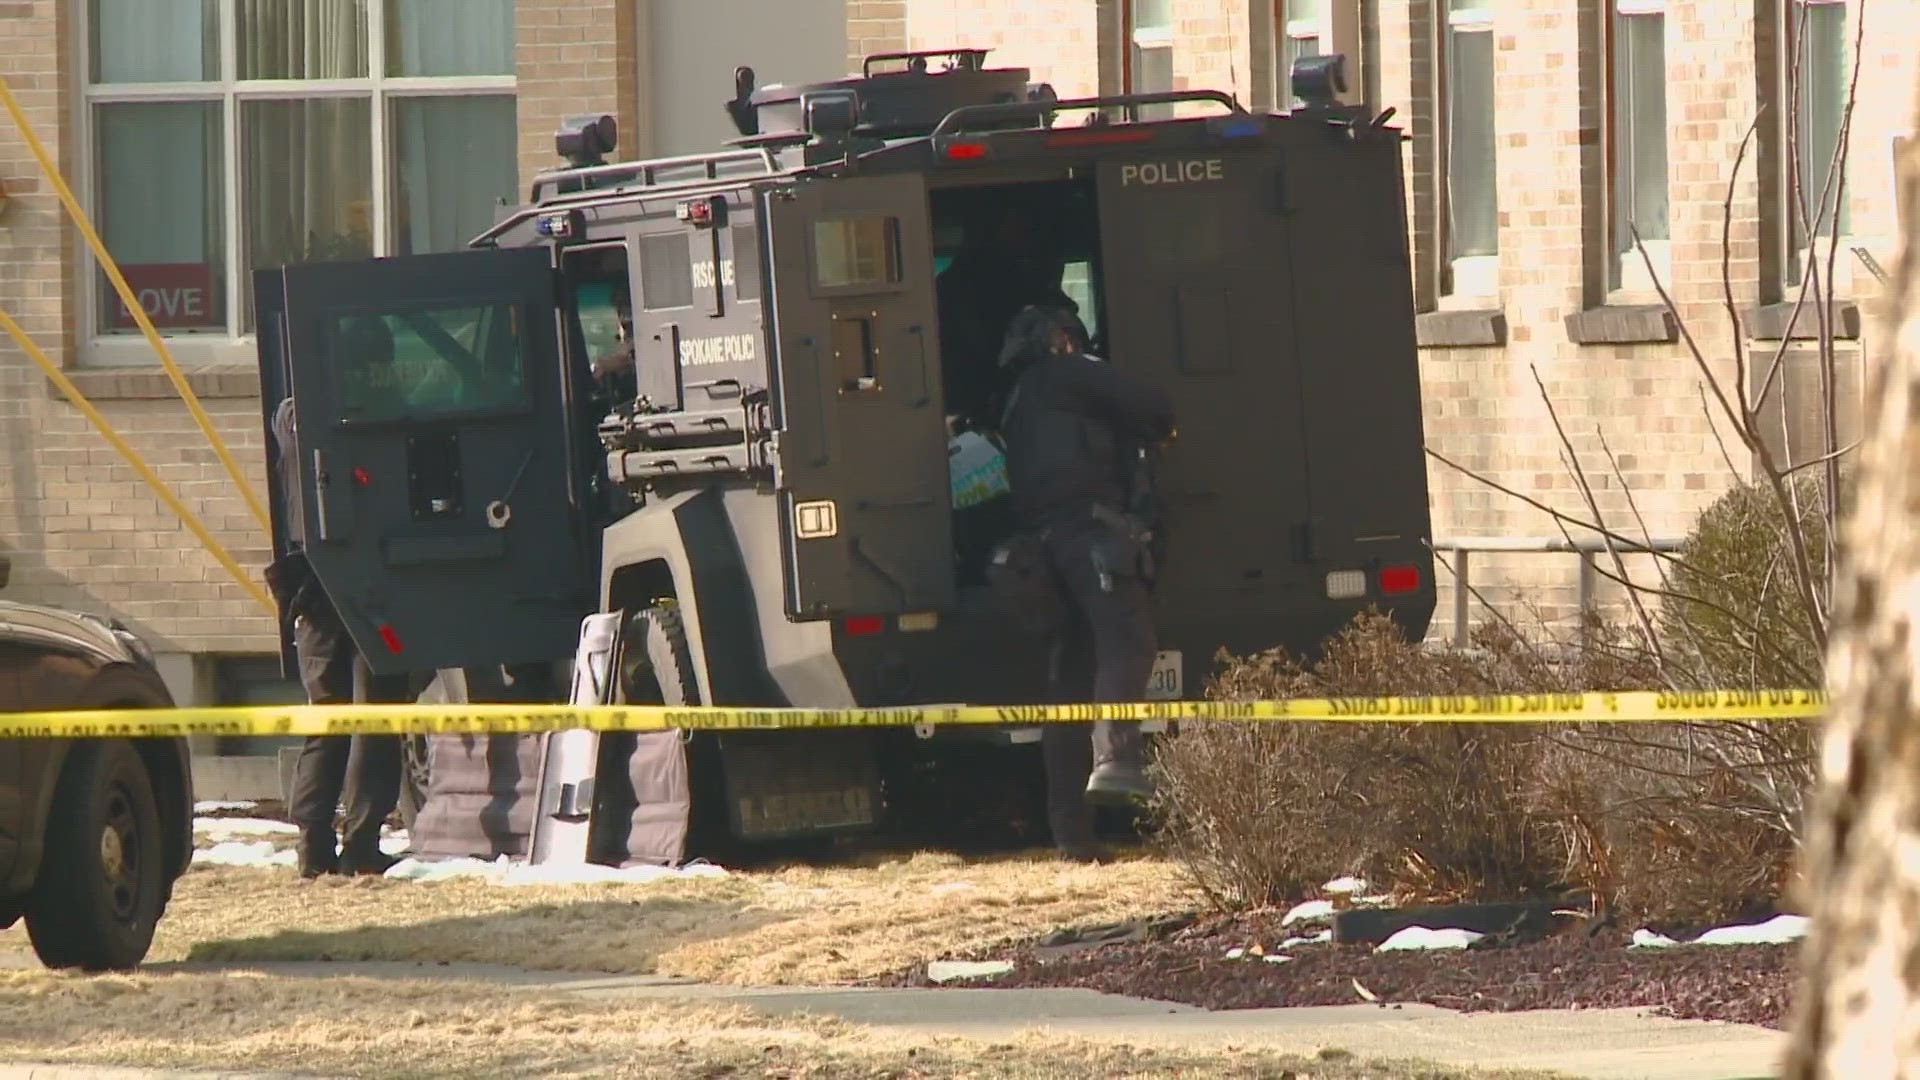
(1318, 81)
(586, 140)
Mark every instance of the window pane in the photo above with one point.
(137, 41)
(666, 272)
(1823, 95)
(1474, 227)
(453, 161)
(856, 251)
(428, 363)
(1153, 14)
(1153, 74)
(745, 241)
(1293, 50)
(302, 39)
(1296, 10)
(1640, 129)
(307, 172)
(449, 37)
(162, 209)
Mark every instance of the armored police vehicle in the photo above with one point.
(719, 394)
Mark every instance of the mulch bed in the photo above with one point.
(1575, 969)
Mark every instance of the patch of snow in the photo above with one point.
(1235, 954)
(1276, 959)
(941, 971)
(1321, 938)
(1779, 930)
(502, 871)
(221, 829)
(211, 805)
(1344, 885)
(1312, 909)
(259, 853)
(1647, 939)
(1419, 937)
(395, 844)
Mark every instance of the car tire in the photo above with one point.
(103, 882)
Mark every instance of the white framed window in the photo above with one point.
(1302, 26)
(1470, 175)
(1815, 68)
(228, 135)
(1637, 143)
(1150, 40)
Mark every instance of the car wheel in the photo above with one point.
(103, 877)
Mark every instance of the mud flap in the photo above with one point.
(563, 819)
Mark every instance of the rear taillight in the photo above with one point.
(1400, 580)
(864, 626)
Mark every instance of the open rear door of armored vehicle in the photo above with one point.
(862, 434)
(438, 489)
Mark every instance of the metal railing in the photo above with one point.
(1461, 548)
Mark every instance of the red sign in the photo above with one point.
(175, 296)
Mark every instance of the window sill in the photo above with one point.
(150, 384)
(1464, 329)
(1771, 322)
(1623, 324)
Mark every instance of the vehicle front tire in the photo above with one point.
(103, 884)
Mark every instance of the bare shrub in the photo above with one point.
(1258, 813)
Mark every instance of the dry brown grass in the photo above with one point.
(796, 926)
(393, 1030)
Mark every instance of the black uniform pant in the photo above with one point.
(366, 766)
(1094, 613)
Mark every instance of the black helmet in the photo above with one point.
(1043, 330)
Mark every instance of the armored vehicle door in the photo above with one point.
(862, 435)
(1198, 275)
(439, 501)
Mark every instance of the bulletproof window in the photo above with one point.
(856, 252)
(600, 278)
(746, 262)
(428, 363)
(666, 272)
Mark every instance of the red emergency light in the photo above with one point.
(966, 151)
(361, 476)
(392, 639)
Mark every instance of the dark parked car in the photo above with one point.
(93, 832)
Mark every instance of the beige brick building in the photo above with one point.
(210, 136)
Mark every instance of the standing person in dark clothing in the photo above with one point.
(1074, 430)
(332, 669)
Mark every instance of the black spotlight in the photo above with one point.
(1318, 81)
(585, 141)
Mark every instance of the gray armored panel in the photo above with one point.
(440, 485)
(480, 801)
(862, 452)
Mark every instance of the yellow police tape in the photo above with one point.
(515, 719)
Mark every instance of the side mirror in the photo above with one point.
(6, 569)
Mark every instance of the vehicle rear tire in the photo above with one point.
(103, 879)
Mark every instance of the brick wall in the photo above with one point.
(875, 26)
(82, 529)
(1061, 40)
(577, 57)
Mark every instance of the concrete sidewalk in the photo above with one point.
(1614, 1044)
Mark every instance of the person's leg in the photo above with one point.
(326, 671)
(1065, 749)
(373, 773)
(1120, 612)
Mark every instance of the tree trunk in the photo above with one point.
(1859, 1009)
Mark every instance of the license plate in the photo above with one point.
(1166, 683)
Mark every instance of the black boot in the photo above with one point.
(362, 857)
(317, 853)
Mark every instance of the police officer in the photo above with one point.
(333, 671)
(1074, 431)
